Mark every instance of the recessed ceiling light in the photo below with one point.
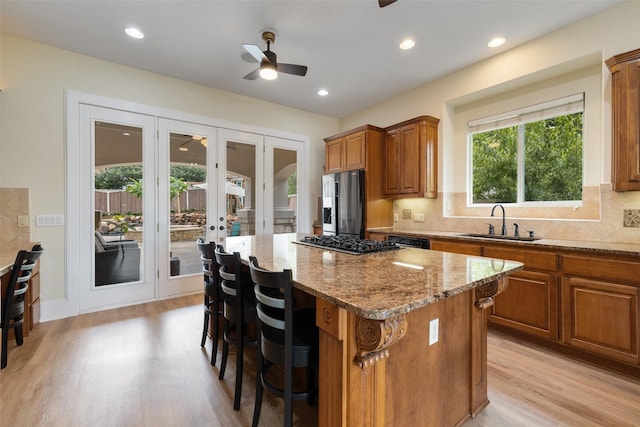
(183, 149)
(407, 44)
(495, 42)
(323, 92)
(134, 32)
(126, 133)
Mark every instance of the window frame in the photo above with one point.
(519, 117)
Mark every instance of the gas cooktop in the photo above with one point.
(350, 245)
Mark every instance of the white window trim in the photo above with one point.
(557, 107)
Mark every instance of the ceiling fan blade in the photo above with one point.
(252, 75)
(384, 3)
(255, 52)
(297, 70)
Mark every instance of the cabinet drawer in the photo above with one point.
(601, 268)
(531, 259)
(457, 248)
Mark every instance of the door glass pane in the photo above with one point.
(188, 197)
(284, 191)
(118, 217)
(240, 189)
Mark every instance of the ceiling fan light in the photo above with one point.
(204, 142)
(267, 72)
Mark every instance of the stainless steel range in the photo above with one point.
(348, 244)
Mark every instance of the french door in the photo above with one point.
(120, 254)
(182, 218)
(136, 237)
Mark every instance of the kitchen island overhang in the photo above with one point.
(377, 366)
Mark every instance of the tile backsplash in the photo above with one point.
(631, 218)
(14, 202)
(614, 218)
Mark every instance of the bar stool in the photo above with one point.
(212, 298)
(288, 340)
(239, 310)
(13, 301)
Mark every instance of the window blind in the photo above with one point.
(546, 110)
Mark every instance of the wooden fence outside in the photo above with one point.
(119, 201)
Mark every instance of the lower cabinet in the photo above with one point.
(580, 304)
(529, 304)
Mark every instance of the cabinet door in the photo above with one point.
(601, 317)
(354, 151)
(391, 185)
(625, 107)
(410, 160)
(528, 304)
(333, 161)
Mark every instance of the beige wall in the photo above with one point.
(33, 78)
(577, 51)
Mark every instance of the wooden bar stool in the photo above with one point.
(287, 339)
(239, 311)
(13, 301)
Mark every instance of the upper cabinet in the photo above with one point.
(625, 106)
(412, 159)
(347, 151)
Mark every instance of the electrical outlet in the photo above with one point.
(395, 217)
(419, 217)
(433, 331)
(406, 213)
(23, 220)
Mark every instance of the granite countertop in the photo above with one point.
(595, 247)
(377, 285)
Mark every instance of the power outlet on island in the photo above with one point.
(433, 331)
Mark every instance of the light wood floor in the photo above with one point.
(143, 366)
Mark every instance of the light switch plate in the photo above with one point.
(23, 220)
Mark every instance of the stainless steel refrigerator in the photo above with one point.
(343, 204)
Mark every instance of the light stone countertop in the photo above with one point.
(594, 247)
(375, 286)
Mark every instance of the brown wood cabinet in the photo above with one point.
(363, 148)
(347, 152)
(411, 159)
(625, 107)
(600, 306)
(536, 285)
(32, 300)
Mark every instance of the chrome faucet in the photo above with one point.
(503, 230)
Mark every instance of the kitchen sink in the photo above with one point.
(501, 237)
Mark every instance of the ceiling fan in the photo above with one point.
(269, 67)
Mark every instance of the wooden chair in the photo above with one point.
(288, 340)
(212, 296)
(13, 300)
(239, 310)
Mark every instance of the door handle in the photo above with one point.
(212, 228)
(221, 227)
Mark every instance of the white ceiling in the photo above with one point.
(350, 47)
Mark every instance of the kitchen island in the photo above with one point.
(402, 333)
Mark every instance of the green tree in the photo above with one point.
(292, 184)
(177, 187)
(189, 173)
(117, 177)
(495, 166)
